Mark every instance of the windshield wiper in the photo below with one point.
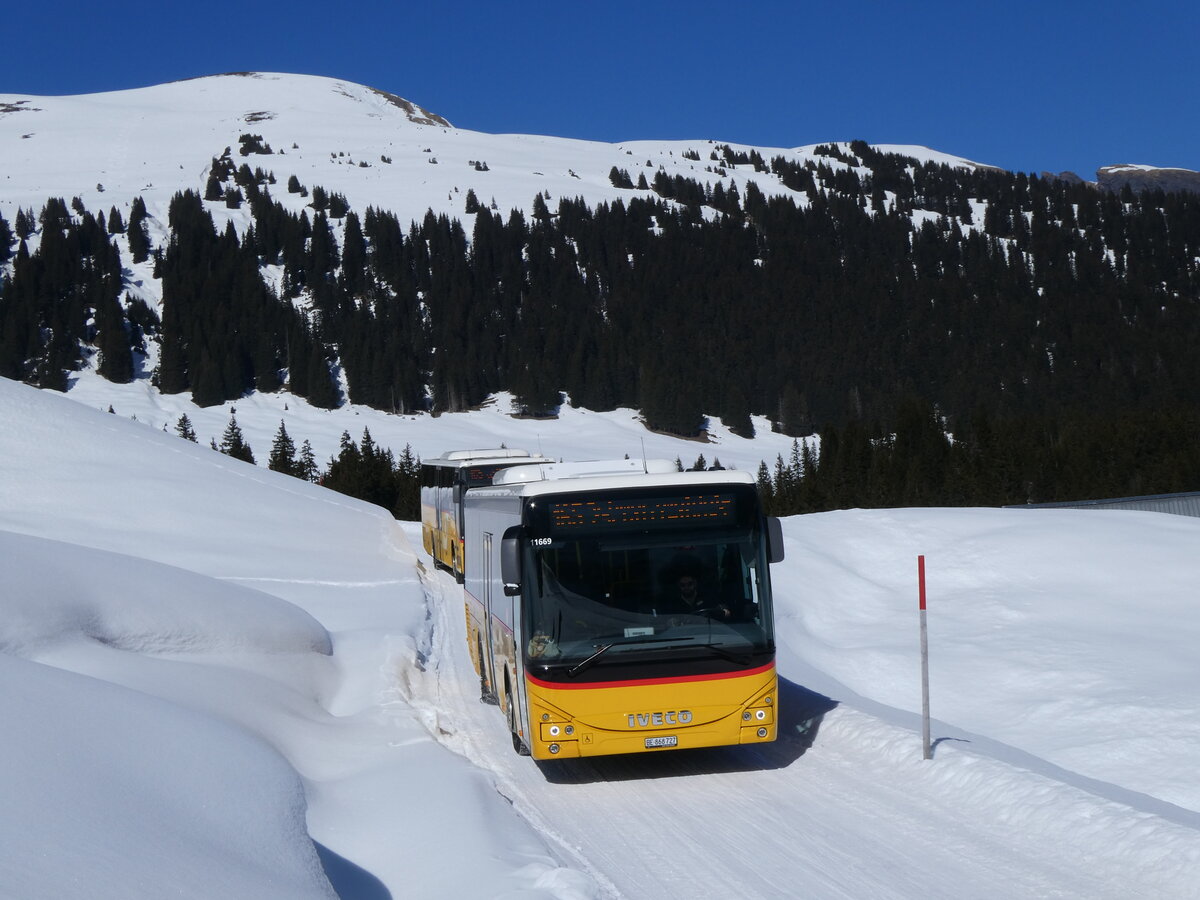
(583, 664)
(604, 648)
(742, 659)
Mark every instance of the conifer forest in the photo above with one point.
(955, 336)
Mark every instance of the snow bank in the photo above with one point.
(110, 793)
(1069, 633)
(139, 606)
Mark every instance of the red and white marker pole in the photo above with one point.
(925, 745)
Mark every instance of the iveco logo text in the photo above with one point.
(670, 717)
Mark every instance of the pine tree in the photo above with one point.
(25, 224)
(139, 240)
(344, 474)
(184, 429)
(408, 492)
(306, 466)
(7, 239)
(116, 352)
(322, 393)
(766, 490)
(233, 445)
(620, 178)
(213, 188)
(283, 453)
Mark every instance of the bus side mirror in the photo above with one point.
(774, 539)
(510, 561)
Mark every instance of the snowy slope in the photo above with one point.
(173, 694)
(213, 658)
(158, 140)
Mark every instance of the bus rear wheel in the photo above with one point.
(519, 745)
(486, 694)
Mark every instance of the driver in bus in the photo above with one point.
(542, 645)
(689, 594)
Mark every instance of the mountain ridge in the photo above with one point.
(194, 120)
(250, 104)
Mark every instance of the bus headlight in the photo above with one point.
(557, 731)
(758, 715)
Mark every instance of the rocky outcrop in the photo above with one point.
(1142, 178)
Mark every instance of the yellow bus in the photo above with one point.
(444, 480)
(623, 607)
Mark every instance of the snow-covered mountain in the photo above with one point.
(374, 148)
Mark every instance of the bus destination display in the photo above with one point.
(481, 475)
(646, 512)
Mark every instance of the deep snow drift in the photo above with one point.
(221, 681)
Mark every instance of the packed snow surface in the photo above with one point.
(221, 681)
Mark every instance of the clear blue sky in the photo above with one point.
(1030, 86)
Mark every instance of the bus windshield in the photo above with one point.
(600, 597)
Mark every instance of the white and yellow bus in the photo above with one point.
(444, 480)
(574, 619)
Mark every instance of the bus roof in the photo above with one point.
(457, 458)
(564, 478)
(596, 468)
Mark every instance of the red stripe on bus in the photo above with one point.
(634, 682)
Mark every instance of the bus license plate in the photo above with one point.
(668, 741)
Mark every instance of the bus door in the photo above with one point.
(509, 649)
(458, 554)
(487, 664)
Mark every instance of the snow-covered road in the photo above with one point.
(841, 806)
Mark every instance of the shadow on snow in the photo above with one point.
(350, 882)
